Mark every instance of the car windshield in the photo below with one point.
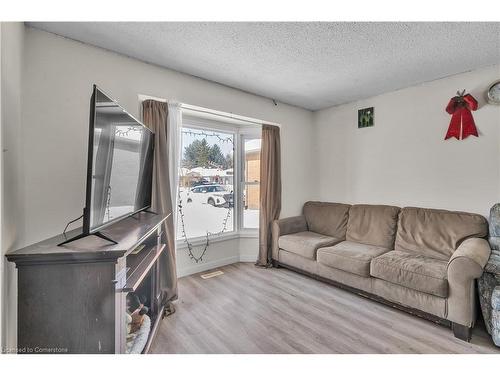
(209, 189)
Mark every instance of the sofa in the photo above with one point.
(424, 261)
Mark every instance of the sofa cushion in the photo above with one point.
(373, 225)
(413, 271)
(329, 219)
(349, 256)
(436, 233)
(305, 243)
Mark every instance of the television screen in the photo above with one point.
(121, 166)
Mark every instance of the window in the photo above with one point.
(251, 181)
(218, 179)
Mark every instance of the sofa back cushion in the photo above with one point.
(436, 233)
(373, 225)
(329, 219)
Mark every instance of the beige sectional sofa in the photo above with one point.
(424, 261)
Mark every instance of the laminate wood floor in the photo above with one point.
(256, 310)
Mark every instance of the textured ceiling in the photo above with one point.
(310, 65)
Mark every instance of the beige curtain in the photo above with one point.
(270, 190)
(154, 114)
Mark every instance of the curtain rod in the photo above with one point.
(212, 111)
(227, 115)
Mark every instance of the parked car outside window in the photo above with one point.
(215, 195)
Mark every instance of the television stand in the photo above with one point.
(83, 235)
(72, 299)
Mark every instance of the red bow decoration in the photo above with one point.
(462, 123)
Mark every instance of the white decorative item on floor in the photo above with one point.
(137, 341)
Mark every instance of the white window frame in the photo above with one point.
(247, 134)
(239, 132)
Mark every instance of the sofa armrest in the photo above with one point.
(476, 250)
(465, 265)
(288, 225)
(291, 225)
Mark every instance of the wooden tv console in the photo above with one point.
(72, 298)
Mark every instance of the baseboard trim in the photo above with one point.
(201, 267)
(248, 258)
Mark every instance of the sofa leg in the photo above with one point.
(275, 264)
(461, 332)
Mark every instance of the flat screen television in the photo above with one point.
(119, 166)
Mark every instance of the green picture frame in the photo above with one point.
(366, 117)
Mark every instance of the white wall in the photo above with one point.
(242, 249)
(12, 35)
(404, 160)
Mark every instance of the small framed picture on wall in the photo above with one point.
(366, 117)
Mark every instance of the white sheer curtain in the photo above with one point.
(174, 126)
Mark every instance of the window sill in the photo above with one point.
(200, 241)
